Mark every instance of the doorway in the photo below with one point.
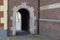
(24, 21)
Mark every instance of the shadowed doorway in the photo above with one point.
(24, 21)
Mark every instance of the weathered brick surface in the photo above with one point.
(1, 14)
(47, 2)
(1, 2)
(1, 26)
(50, 14)
(50, 29)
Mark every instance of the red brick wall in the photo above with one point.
(47, 2)
(1, 2)
(51, 30)
(1, 26)
(1, 14)
(50, 14)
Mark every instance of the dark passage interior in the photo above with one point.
(25, 22)
(25, 19)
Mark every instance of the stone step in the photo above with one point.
(22, 33)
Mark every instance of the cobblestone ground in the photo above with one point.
(24, 37)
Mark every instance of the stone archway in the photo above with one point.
(32, 17)
(22, 22)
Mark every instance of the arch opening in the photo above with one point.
(24, 20)
(30, 18)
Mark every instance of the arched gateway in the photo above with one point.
(27, 19)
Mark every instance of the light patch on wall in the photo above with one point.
(52, 6)
(50, 20)
(44, 8)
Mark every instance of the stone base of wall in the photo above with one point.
(3, 33)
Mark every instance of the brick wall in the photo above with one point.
(1, 24)
(1, 15)
(51, 30)
(1, 2)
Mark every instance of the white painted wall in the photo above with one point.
(18, 21)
